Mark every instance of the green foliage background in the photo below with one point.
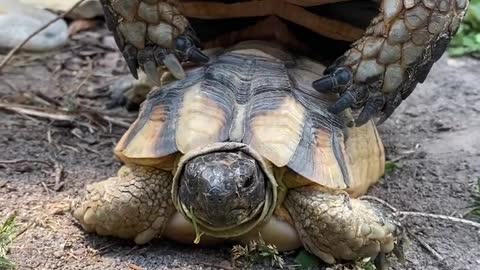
(467, 40)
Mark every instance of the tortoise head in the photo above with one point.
(225, 192)
(223, 188)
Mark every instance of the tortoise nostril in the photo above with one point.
(248, 182)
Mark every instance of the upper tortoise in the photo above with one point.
(383, 49)
(244, 145)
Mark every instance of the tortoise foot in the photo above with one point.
(396, 53)
(333, 226)
(134, 205)
(129, 92)
(152, 35)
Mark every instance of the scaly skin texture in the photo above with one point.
(396, 53)
(376, 75)
(152, 34)
(134, 205)
(333, 226)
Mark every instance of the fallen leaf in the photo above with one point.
(81, 25)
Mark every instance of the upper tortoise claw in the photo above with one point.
(336, 81)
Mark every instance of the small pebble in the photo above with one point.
(58, 254)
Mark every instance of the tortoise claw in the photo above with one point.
(187, 50)
(197, 56)
(381, 261)
(150, 69)
(391, 104)
(130, 55)
(372, 108)
(336, 81)
(344, 102)
(351, 97)
(173, 65)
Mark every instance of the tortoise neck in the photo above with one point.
(273, 50)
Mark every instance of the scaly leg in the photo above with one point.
(396, 53)
(151, 34)
(332, 226)
(134, 205)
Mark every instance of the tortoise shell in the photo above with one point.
(260, 97)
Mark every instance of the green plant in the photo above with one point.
(306, 261)
(467, 40)
(7, 234)
(255, 252)
(390, 167)
(475, 210)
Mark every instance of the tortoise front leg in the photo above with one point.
(333, 226)
(134, 205)
(395, 54)
(152, 34)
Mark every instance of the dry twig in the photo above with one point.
(63, 115)
(30, 110)
(10, 54)
(16, 161)
(426, 246)
(442, 217)
(58, 176)
(380, 201)
(421, 214)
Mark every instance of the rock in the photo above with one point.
(87, 10)
(18, 21)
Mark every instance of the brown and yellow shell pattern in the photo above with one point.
(263, 101)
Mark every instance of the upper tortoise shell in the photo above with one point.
(251, 97)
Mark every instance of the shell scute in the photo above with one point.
(251, 99)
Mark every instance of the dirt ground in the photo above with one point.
(434, 138)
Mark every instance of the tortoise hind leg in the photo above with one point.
(152, 34)
(130, 92)
(332, 226)
(395, 54)
(134, 205)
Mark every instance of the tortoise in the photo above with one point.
(382, 49)
(244, 145)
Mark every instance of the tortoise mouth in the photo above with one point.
(224, 190)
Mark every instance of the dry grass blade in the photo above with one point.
(34, 111)
(17, 161)
(64, 115)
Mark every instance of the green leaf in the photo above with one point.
(467, 39)
(307, 260)
(391, 167)
(458, 51)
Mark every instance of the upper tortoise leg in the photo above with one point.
(332, 226)
(395, 54)
(134, 205)
(152, 34)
